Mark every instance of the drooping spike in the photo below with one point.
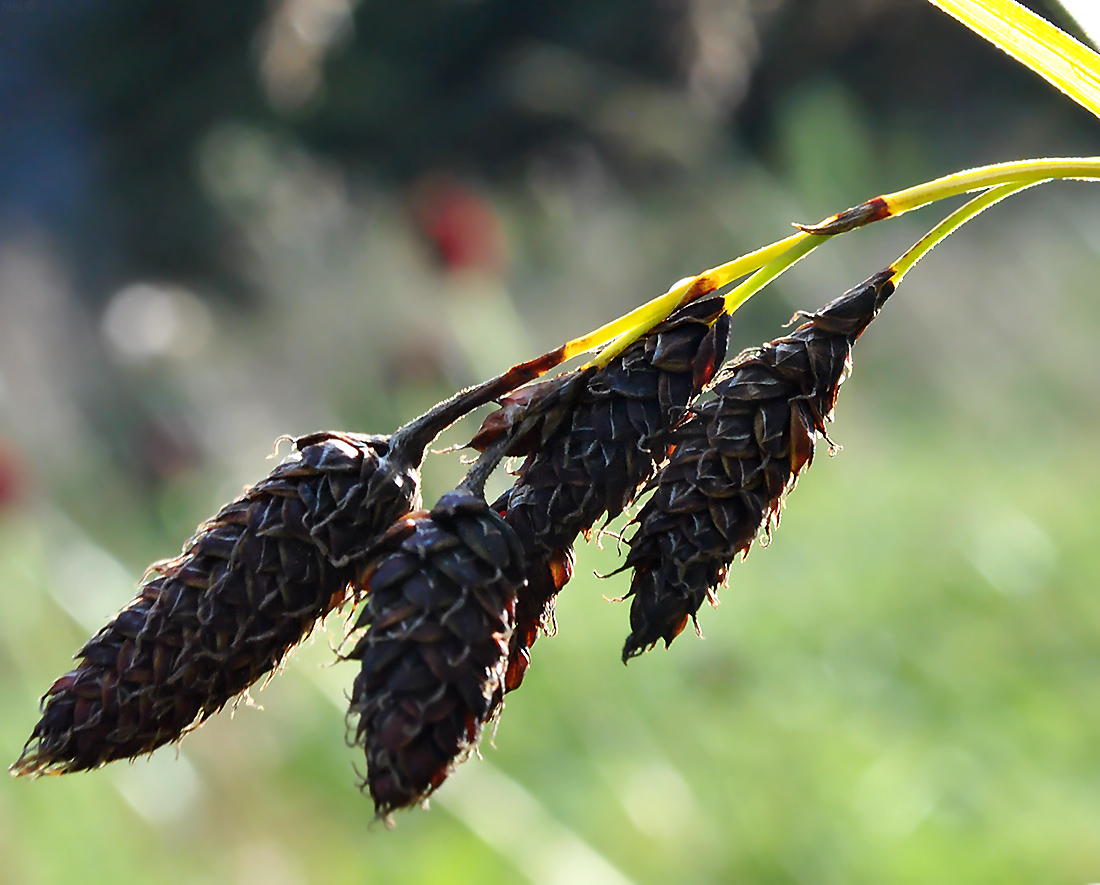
(593, 438)
(248, 587)
(735, 459)
(439, 613)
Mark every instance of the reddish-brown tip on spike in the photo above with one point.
(597, 447)
(736, 458)
(865, 213)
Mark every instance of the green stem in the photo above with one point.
(952, 223)
(639, 321)
(798, 247)
(1023, 172)
(1017, 172)
(740, 294)
(778, 256)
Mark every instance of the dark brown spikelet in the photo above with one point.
(439, 612)
(593, 439)
(249, 586)
(734, 460)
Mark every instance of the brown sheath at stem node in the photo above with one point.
(865, 213)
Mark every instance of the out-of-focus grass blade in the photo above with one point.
(1035, 42)
(1086, 14)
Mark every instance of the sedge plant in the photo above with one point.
(449, 599)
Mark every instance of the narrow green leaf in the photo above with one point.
(1030, 39)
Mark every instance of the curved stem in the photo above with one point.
(952, 223)
(1020, 173)
(411, 440)
(739, 295)
(799, 249)
(486, 463)
(690, 288)
(1023, 172)
(768, 262)
(1017, 172)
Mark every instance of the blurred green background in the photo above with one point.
(220, 223)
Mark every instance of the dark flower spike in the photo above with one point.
(342, 509)
(206, 625)
(249, 586)
(593, 439)
(734, 460)
(439, 613)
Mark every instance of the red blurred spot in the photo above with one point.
(462, 227)
(13, 477)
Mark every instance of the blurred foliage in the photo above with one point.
(110, 103)
(199, 253)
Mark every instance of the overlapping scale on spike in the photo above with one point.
(734, 460)
(439, 613)
(247, 588)
(592, 440)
